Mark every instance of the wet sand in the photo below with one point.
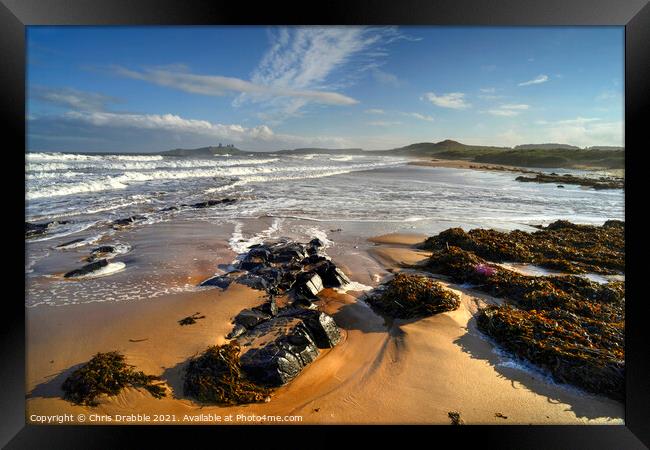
(382, 372)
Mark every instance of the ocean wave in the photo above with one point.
(249, 174)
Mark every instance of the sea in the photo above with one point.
(341, 199)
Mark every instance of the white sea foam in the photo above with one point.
(240, 244)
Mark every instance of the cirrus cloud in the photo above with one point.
(537, 80)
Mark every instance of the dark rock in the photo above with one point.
(322, 327)
(88, 268)
(278, 350)
(37, 229)
(220, 281)
(249, 318)
(331, 275)
(169, 208)
(74, 241)
(270, 307)
(308, 284)
(128, 221)
(287, 253)
(253, 281)
(303, 302)
(237, 331)
(315, 258)
(316, 243)
(209, 203)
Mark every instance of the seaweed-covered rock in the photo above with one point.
(561, 245)
(87, 269)
(407, 296)
(106, 373)
(216, 377)
(572, 293)
(573, 349)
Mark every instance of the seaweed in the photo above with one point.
(561, 245)
(595, 183)
(573, 349)
(569, 326)
(571, 293)
(106, 373)
(407, 296)
(190, 320)
(215, 377)
(455, 418)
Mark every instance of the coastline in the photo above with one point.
(422, 368)
(465, 164)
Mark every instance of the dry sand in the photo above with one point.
(401, 372)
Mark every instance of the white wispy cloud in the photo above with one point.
(537, 80)
(318, 58)
(72, 98)
(217, 86)
(374, 111)
(508, 109)
(453, 100)
(171, 123)
(489, 90)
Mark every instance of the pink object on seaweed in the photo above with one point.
(485, 270)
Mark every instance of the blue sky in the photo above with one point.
(269, 88)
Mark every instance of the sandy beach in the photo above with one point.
(383, 371)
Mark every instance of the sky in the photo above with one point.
(141, 89)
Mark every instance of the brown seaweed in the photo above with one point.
(596, 183)
(561, 245)
(106, 373)
(408, 295)
(573, 349)
(215, 377)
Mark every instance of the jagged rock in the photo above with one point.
(280, 348)
(88, 268)
(330, 275)
(249, 318)
(322, 326)
(288, 252)
(222, 281)
(315, 258)
(253, 281)
(308, 284)
(303, 302)
(277, 361)
(237, 331)
(270, 307)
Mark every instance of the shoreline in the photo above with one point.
(396, 359)
(465, 164)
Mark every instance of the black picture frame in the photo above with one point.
(634, 15)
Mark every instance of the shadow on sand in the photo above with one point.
(536, 381)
